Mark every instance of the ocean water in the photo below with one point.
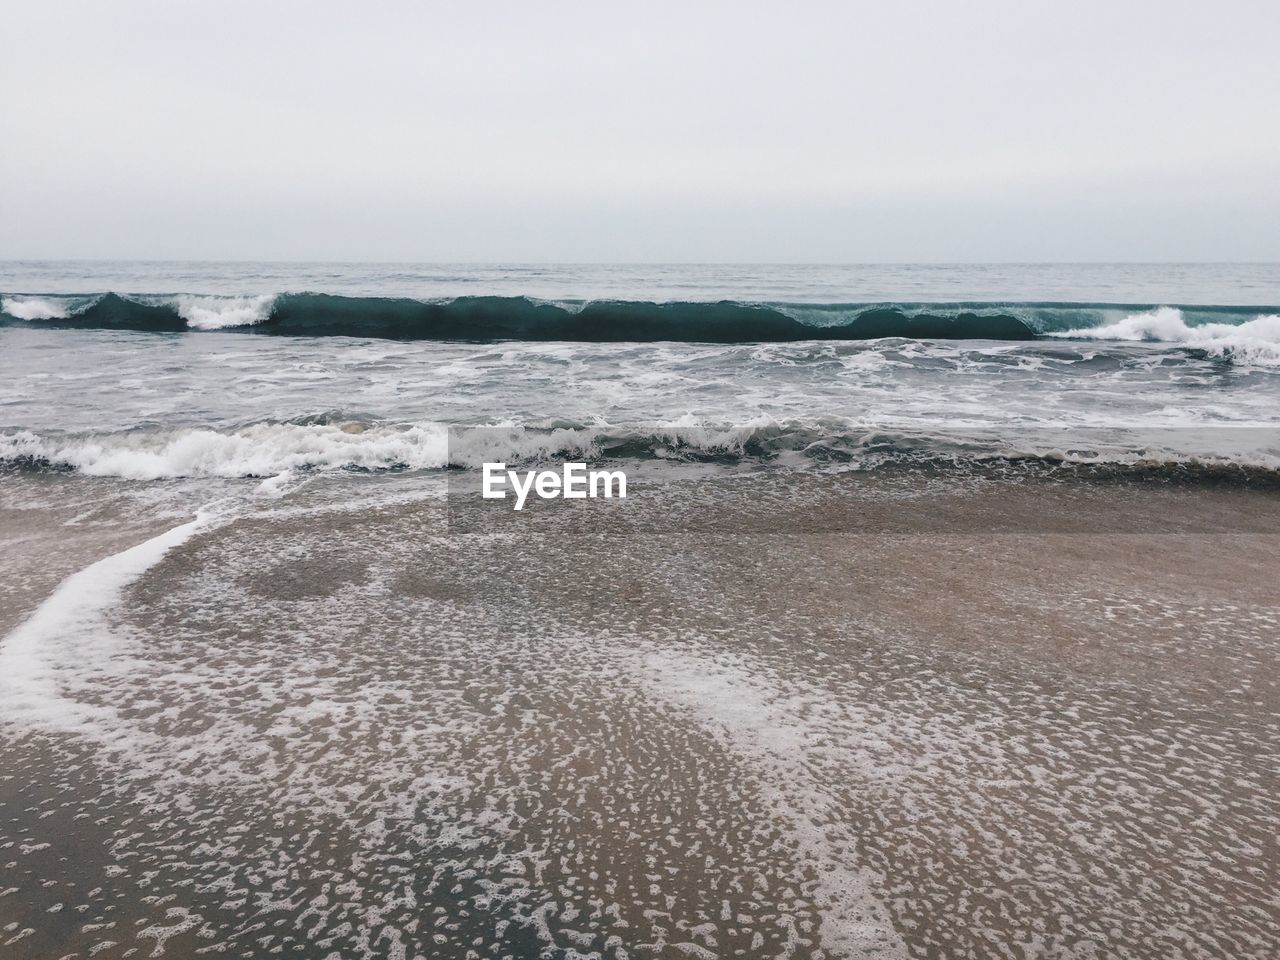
(147, 371)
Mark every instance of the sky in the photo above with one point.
(694, 131)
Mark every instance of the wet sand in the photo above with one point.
(758, 717)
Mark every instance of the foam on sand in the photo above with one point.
(30, 688)
(764, 728)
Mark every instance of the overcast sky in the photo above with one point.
(645, 132)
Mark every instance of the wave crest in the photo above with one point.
(1255, 341)
(488, 319)
(261, 450)
(35, 308)
(272, 448)
(218, 313)
(1245, 333)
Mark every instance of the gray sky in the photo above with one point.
(602, 131)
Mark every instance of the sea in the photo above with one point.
(146, 371)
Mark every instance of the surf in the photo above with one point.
(273, 451)
(493, 318)
(489, 319)
(1255, 341)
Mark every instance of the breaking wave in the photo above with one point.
(270, 449)
(217, 313)
(259, 450)
(36, 308)
(1244, 332)
(516, 318)
(145, 313)
(1255, 341)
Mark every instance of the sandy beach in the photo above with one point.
(325, 730)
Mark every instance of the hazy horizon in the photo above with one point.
(356, 261)
(725, 133)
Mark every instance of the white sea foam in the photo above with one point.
(273, 449)
(30, 686)
(1255, 341)
(780, 736)
(261, 450)
(35, 308)
(477, 445)
(215, 313)
(285, 453)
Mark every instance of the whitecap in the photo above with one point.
(35, 308)
(261, 450)
(215, 313)
(1255, 341)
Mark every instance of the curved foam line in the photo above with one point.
(30, 692)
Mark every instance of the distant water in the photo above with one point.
(1193, 283)
(115, 369)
